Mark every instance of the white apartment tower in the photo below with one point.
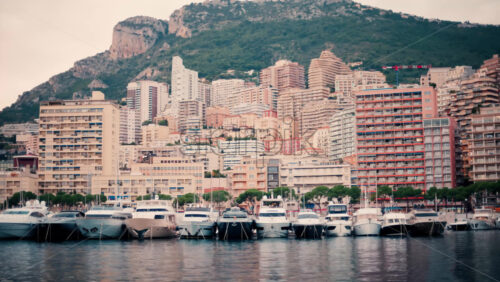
(225, 89)
(342, 134)
(149, 98)
(184, 83)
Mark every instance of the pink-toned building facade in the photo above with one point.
(390, 136)
(283, 75)
(215, 116)
(259, 95)
(439, 139)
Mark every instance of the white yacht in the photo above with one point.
(308, 225)
(152, 219)
(22, 222)
(394, 224)
(483, 219)
(198, 222)
(366, 222)
(103, 222)
(338, 222)
(272, 221)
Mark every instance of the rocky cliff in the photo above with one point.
(135, 35)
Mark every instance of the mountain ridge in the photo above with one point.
(214, 37)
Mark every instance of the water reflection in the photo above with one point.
(338, 259)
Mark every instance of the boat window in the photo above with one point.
(237, 215)
(195, 215)
(65, 215)
(16, 212)
(337, 209)
(159, 216)
(151, 210)
(426, 214)
(272, 214)
(308, 215)
(36, 214)
(396, 220)
(391, 221)
(98, 216)
(346, 218)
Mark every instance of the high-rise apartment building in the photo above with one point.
(292, 101)
(437, 76)
(130, 125)
(342, 134)
(205, 92)
(246, 108)
(440, 169)
(225, 89)
(323, 70)
(215, 116)
(148, 98)
(390, 136)
(190, 112)
(315, 115)
(78, 139)
(184, 83)
(492, 68)
(485, 145)
(258, 94)
(283, 75)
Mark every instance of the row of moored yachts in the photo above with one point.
(157, 219)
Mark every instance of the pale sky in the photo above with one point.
(41, 38)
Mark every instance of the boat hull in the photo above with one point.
(60, 231)
(235, 230)
(430, 228)
(194, 229)
(308, 231)
(11, 230)
(481, 225)
(146, 228)
(367, 229)
(109, 228)
(272, 229)
(339, 229)
(458, 226)
(394, 230)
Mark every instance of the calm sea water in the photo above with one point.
(457, 256)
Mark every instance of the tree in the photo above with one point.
(284, 192)
(339, 191)
(187, 199)
(384, 191)
(355, 194)
(405, 192)
(164, 197)
(251, 195)
(163, 122)
(18, 196)
(48, 198)
(317, 195)
(217, 197)
(146, 122)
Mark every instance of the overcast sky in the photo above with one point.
(41, 38)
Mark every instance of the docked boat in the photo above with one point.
(198, 222)
(22, 223)
(272, 221)
(62, 226)
(426, 222)
(235, 224)
(394, 224)
(483, 219)
(152, 219)
(458, 225)
(103, 222)
(338, 222)
(366, 222)
(308, 225)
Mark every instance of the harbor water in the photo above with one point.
(456, 256)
